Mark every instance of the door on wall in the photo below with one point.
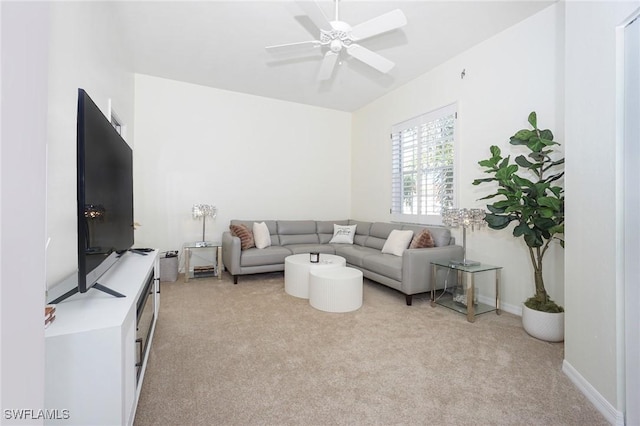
(631, 225)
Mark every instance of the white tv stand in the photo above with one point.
(96, 349)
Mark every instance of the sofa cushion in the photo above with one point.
(384, 264)
(343, 234)
(310, 248)
(397, 242)
(422, 239)
(272, 255)
(261, 235)
(245, 235)
(354, 254)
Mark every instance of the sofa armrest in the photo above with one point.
(416, 266)
(231, 253)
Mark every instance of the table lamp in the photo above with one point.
(465, 218)
(203, 211)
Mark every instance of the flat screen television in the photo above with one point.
(104, 196)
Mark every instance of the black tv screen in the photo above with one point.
(104, 193)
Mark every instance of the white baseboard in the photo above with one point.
(506, 307)
(610, 413)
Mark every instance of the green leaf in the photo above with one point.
(550, 202)
(495, 151)
(535, 144)
(479, 181)
(503, 204)
(504, 163)
(523, 162)
(522, 181)
(515, 141)
(545, 212)
(494, 209)
(497, 222)
(505, 173)
(546, 134)
(521, 230)
(524, 135)
(544, 223)
(533, 119)
(533, 240)
(490, 163)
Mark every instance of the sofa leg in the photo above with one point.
(409, 298)
(235, 279)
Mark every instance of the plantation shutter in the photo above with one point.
(422, 178)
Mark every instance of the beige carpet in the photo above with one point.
(246, 354)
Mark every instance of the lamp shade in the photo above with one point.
(204, 210)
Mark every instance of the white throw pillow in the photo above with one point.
(261, 235)
(343, 234)
(397, 242)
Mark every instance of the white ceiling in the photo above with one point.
(221, 44)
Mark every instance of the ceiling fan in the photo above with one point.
(339, 36)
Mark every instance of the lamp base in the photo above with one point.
(464, 263)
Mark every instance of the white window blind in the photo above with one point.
(423, 180)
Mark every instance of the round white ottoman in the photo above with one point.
(297, 268)
(336, 290)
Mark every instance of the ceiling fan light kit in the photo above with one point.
(340, 36)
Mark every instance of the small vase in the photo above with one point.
(547, 326)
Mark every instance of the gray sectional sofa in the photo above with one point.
(409, 274)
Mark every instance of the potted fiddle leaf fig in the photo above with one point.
(528, 194)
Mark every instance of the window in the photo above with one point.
(422, 179)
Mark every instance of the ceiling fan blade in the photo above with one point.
(370, 58)
(314, 12)
(292, 47)
(383, 23)
(328, 63)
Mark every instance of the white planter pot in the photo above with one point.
(543, 325)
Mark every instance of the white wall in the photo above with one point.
(85, 52)
(252, 157)
(22, 210)
(592, 328)
(506, 78)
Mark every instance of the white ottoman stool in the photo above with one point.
(335, 290)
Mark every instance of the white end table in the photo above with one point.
(336, 290)
(189, 247)
(297, 268)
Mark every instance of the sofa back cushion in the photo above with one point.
(298, 232)
(324, 228)
(362, 231)
(441, 236)
(379, 233)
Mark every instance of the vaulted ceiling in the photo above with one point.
(221, 44)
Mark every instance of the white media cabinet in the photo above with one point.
(97, 348)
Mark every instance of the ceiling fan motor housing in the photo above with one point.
(338, 37)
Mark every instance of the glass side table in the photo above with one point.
(465, 275)
(202, 271)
